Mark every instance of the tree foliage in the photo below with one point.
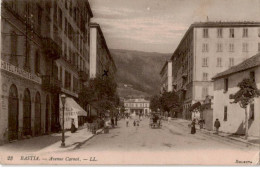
(169, 100)
(155, 103)
(247, 91)
(101, 93)
(165, 102)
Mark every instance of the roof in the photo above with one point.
(89, 8)
(96, 25)
(245, 65)
(216, 24)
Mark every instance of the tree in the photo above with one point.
(168, 101)
(100, 93)
(244, 96)
(155, 103)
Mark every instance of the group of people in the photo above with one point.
(136, 122)
(216, 125)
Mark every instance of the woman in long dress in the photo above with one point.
(193, 129)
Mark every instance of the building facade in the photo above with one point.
(232, 116)
(137, 106)
(44, 52)
(206, 49)
(101, 61)
(166, 77)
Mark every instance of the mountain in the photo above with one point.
(139, 69)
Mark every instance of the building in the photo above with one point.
(101, 61)
(166, 77)
(206, 49)
(232, 116)
(137, 106)
(44, 52)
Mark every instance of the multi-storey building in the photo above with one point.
(137, 106)
(206, 49)
(45, 52)
(101, 61)
(166, 77)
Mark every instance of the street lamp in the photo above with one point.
(63, 100)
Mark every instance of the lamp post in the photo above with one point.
(63, 100)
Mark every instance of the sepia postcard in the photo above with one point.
(130, 82)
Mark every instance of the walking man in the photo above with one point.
(217, 125)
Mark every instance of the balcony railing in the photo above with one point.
(51, 48)
(51, 84)
(83, 76)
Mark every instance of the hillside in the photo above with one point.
(140, 69)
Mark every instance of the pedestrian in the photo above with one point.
(112, 122)
(134, 122)
(127, 121)
(193, 128)
(169, 118)
(73, 128)
(116, 121)
(217, 125)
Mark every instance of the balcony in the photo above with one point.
(51, 84)
(51, 48)
(83, 76)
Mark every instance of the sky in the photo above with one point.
(159, 25)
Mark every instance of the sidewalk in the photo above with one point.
(50, 143)
(255, 141)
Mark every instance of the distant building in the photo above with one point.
(137, 106)
(206, 49)
(232, 116)
(166, 77)
(101, 60)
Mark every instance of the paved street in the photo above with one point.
(173, 136)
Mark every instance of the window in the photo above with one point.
(258, 47)
(231, 62)
(204, 92)
(37, 63)
(205, 77)
(60, 18)
(219, 32)
(231, 33)
(13, 58)
(252, 75)
(219, 62)
(205, 62)
(219, 47)
(67, 80)
(245, 32)
(225, 113)
(225, 84)
(75, 84)
(231, 47)
(259, 32)
(61, 74)
(252, 112)
(245, 47)
(39, 16)
(205, 48)
(205, 33)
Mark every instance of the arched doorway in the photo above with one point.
(37, 122)
(47, 111)
(27, 113)
(13, 112)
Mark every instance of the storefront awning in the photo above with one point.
(70, 102)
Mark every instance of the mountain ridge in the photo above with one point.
(140, 69)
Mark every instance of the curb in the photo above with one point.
(226, 137)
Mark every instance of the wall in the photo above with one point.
(93, 52)
(212, 53)
(235, 114)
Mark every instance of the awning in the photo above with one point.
(70, 102)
